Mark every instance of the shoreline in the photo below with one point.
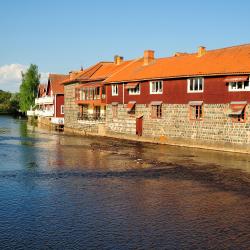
(166, 141)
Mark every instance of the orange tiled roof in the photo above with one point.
(56, 83)
(226, 61)
(99, 71)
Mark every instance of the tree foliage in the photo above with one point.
(28, 88)
(9, 103)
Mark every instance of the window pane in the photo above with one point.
(156, 86)
(233, 85)
(239, 85)
(160, 86)
(200, 84)
(191, 85)
(196, 84)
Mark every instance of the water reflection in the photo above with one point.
(70, 192)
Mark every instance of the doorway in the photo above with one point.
(139, 123)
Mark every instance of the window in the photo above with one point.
(114, 89)
(156, 87)
(196, 110)
(62, 109)
(241, 117)
(239, 86)
(103, 92)
(195, 85)
(237, 111)
(132, 111)
(134, 91)
(115, 111)
(156, 111)
(131, 107)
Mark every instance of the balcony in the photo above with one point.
(91, 95)
(44, 100)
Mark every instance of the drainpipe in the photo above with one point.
(55, 106)
(123, 94)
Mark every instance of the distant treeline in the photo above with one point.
(9, 102)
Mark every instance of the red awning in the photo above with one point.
(236, 79)
(236, 108)
(130, 106)
(195, 103)
(155, 103)
(131, 85)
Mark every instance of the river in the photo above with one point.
(62, 191)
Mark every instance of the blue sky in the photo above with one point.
(62, 35)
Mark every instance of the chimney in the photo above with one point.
(118, 60)
(149, 56)
(201, 51)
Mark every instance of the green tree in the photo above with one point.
(15, 102)
(9, 102)
(28, 88)
(4, 101)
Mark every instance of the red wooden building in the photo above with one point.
(197, 98)
(87, 110)
(50, 100)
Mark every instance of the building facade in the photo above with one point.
(200, 99)
(85, 97)
(49, 104)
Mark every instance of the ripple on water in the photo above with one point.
(67, 192)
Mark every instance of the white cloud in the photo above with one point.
(11, 76)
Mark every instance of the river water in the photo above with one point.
(69, 192)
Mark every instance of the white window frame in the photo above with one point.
(62, 109)
(190, 81)
(135, 91)
(236, 89)
(154, 92)
(114, 89)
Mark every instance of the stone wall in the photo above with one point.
(216, 130)
(124, 123)
(71, 109)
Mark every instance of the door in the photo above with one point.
(139, 126)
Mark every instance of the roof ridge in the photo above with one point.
(97, 66)
(230, 47)
(208, 51)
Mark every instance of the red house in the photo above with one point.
(198, 99)
(85, 95)
(50, 101)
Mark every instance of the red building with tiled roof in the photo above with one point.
(50, 100)
(85, 95)
(193, 99)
